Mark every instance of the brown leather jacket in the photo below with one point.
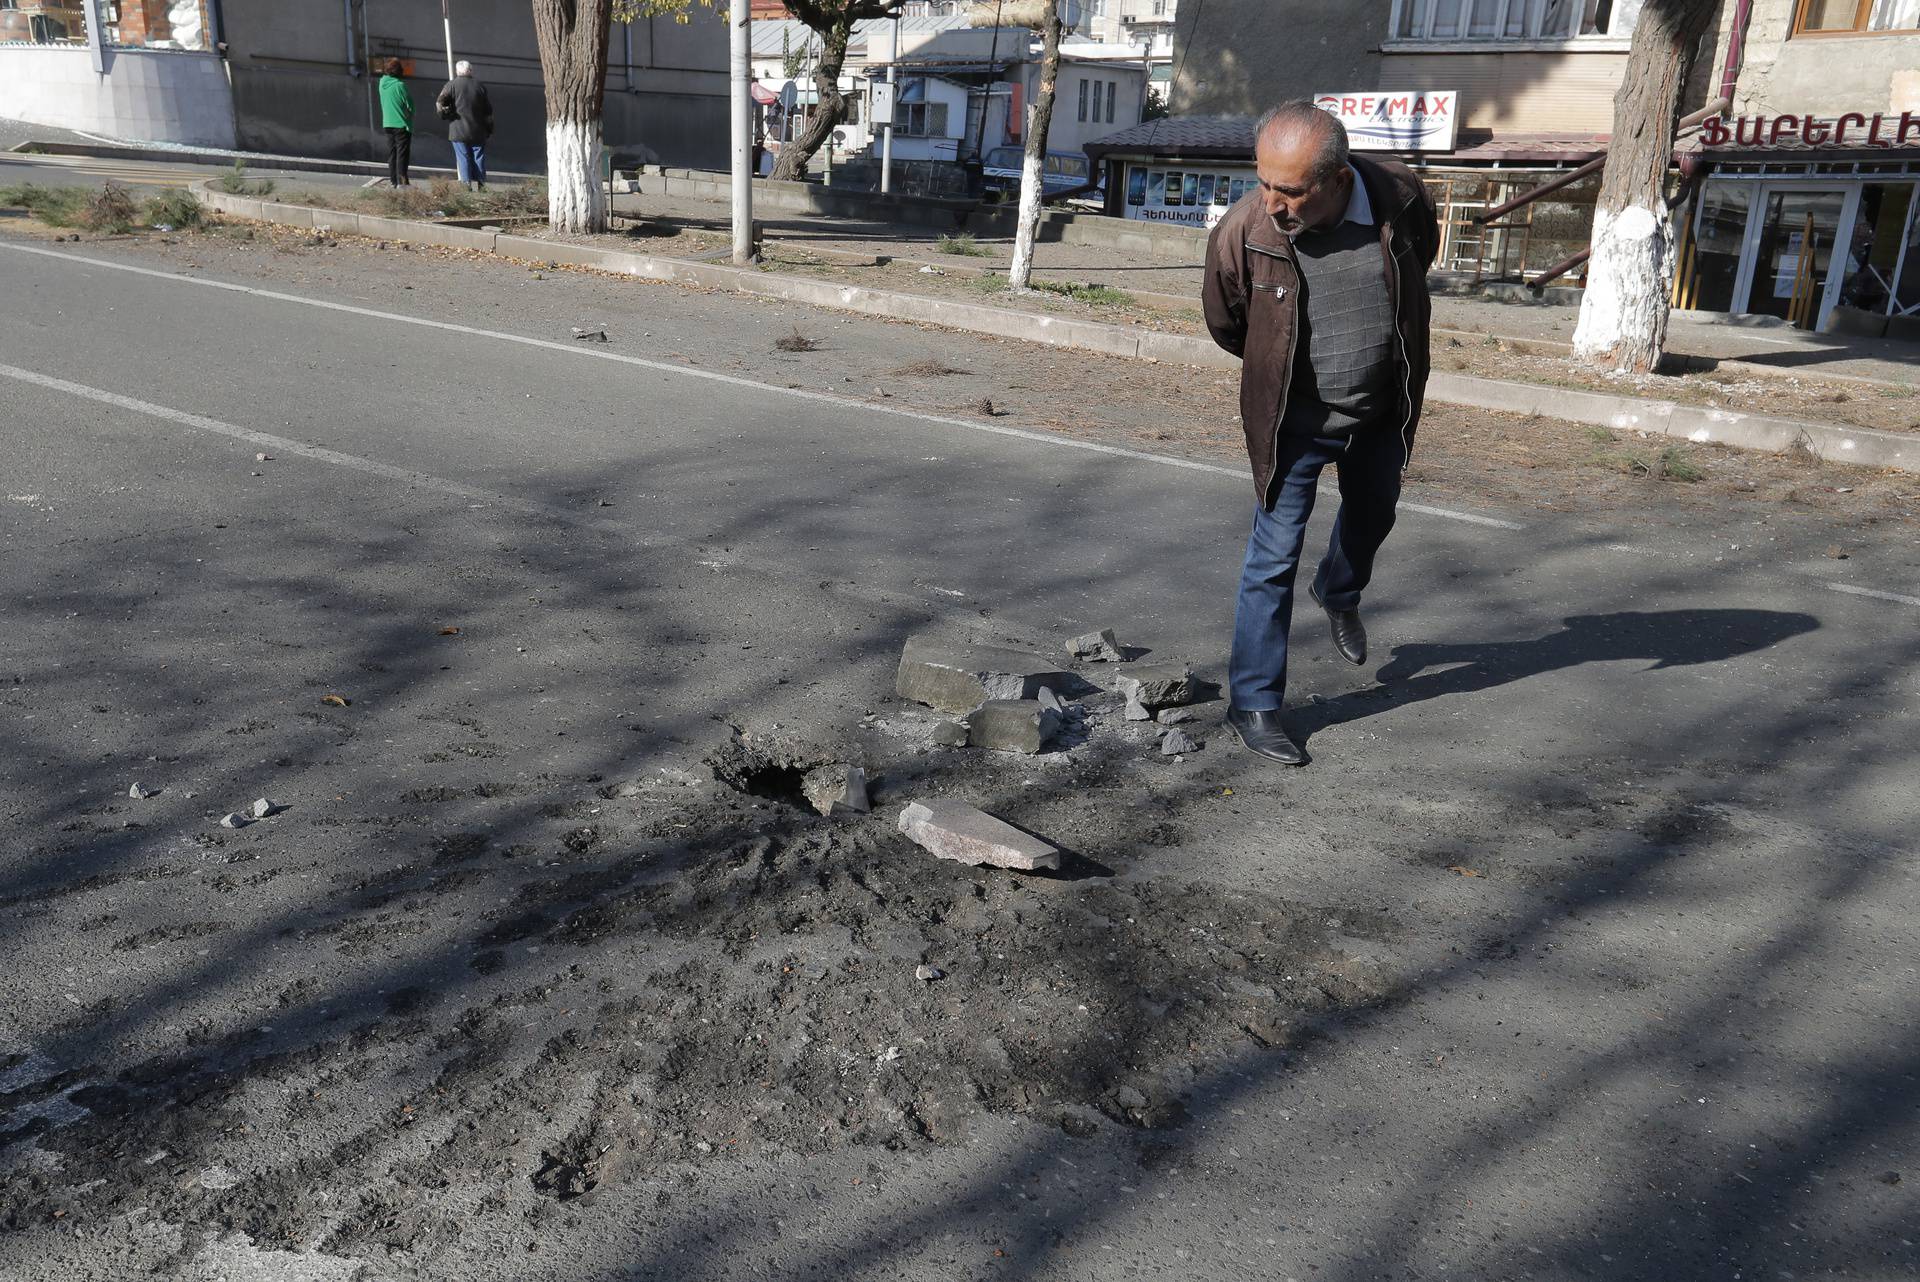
(1252, 296)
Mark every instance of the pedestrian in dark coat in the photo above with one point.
(464, 105)
(396, 115)
(1317, 280)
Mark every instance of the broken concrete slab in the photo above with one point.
(1097, 647)
(1012, 725)
(1173, 716)
(1157, 685)
(954, 830)
(836, 789)
(956, 677)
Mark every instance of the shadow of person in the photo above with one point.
(1667, 639)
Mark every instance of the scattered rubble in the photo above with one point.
(954, 830)
(140, 792)
(959, 677)
(927, 974)
(1157, 685)
(591, 334)
(1051, 701)
(235, 820)
(265, 806)
(837, 789)
(1097, 647)
(951, 734)
(1012, 725)
(1176, 742)
(1173, 716)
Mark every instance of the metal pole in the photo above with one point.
(886, 133)
(446, 28)
(742, 116)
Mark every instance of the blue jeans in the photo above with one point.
(1369, 490)
(470, 158)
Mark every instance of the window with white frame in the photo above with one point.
(1494, 20)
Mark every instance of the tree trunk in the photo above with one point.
(1623, 313)
(1033, 165)
(832, 108)
(573, 62)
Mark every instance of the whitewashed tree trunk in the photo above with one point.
(1033, 164)
(573, 65)
(576, 199)
(1623, 313)
(1027, 225)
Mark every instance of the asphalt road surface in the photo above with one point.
(1586, 948)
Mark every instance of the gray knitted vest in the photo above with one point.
(1343, 359)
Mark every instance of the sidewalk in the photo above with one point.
(1175, 289)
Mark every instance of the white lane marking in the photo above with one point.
(731, 380)
(280, 443)
(1875, 593)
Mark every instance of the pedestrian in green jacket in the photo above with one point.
(396, 115)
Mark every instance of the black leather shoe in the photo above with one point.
(1264, 736)
(1349, 634)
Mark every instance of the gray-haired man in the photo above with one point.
(1317, 279)
(464, 106)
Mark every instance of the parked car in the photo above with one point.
(1064, 171)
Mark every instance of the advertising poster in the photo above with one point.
(1183, 196)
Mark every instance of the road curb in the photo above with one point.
(1696, 423)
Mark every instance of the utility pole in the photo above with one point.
(893, 105)
(742, 103)
(446, 28)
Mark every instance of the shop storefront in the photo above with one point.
(1825, 237)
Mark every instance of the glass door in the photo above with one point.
(1793, 256)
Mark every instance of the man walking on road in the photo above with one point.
(396, 116)
(1318, 281)
(463, 104)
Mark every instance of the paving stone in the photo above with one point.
(959, 677)
(957, 831)
(1157, 685)
(837, 789)
(950, 734)
(1012, 725)
(1099, 647)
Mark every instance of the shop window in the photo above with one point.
(1496, 20)
(156, 24)
(56, 22)
(1874, 257)
(1848, 17)
(1719, 236)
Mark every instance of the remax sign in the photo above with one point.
(1407, 121)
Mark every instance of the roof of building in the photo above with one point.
(1231, 138)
